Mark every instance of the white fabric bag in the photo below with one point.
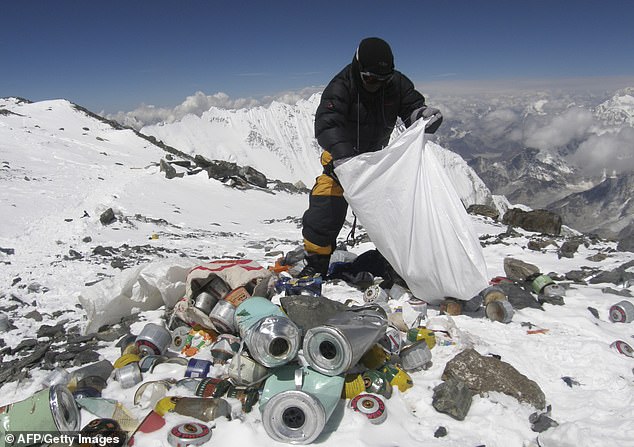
(414, 217)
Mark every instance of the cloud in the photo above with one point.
(571, 125)
(198, 103)
(610, 151)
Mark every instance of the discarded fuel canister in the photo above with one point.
(222, 316)
(492, 293)
(416, 356)
(397, 377)
(296, 403)
(198, 368)
(51, 410)
(179, 338)
(204, 302)
(622, 312)
(501, 311)
(376, 382)
(392, 341)
(205, 409)
(243, 370)
(336, 346)
(353, 386)
(540, 282)
(375, 294)
(554, 290)
(217, 287)
(271, 337)
(102, 368)
(189, 433)
(129, 375)
(421, 333)
(153, 339)
(371, 406)
(623, 348)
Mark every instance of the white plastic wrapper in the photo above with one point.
(412, 213)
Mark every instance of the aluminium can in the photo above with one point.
(153, 339)
(623, 348)
(222, 316)
(129, 375)
(375, 294)
(622, 312)
(371, 406)
(501, 311)
(189, 433)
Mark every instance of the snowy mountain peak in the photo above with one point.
(619, 109)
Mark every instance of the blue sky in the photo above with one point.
(115, 55)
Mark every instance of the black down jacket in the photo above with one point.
(349, 120)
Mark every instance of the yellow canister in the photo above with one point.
(126, 359)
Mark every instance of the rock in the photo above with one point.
(34, 315)
(483, 374)
(517, 270)
(170, 171)
(597, 257)
(453, 397)
(50, 331)
(594, 312)
(484, 210)
(107, 217)
(253, 176)
(578, 276)
(440, 432)
(539, 244)
(540, 221)
(519, 297)
(540, 422)
(555, 300)
(568, 249)
(621, 292)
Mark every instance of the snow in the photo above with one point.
(56, 183)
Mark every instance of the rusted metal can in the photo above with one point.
(622, 312)
(451, 307)
(205, 409)
(153, 339)
(492, 293)
(501, 311)
(371, 406)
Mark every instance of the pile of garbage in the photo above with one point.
(227, 348)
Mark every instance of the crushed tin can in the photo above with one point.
(205, 409)
(243, 370)
(212, 387)
(337, 345)
(392, 341)
(300, 286)
(622, 312)
(375, 294)
(416, 356)
(501, 311)
(397, 377)
(623, 348)
(422, 333)
(104, 432)
(371, 406)
(224, 348)
(271, 337)
(149, 393)
(153, 339)
(189, 433)
(376, 382)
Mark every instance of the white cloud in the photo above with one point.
(198, 103)
(611, 152)
(571, 125)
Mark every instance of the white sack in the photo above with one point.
(145, 287)
(412, 213)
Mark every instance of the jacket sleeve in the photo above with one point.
(331, 126)
(411, 99)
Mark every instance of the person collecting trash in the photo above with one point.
(357, 113)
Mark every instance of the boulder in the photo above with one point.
(483, 374)
(484, 210)
(540, 221)
(454, 398)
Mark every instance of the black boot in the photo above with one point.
(315, 265)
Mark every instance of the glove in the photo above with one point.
(431, 113)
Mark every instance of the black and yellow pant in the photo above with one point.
(326, 212)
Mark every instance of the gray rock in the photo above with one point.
(517, 270)
(170, 171)
(253, 176)
(540, 221)
(34, 315)
(483, 374)
(519, 297)
(51, 331)
(107, 217)
(453, 397)
(484, 210)
(621, 292)
(440, 432)
(568, 249)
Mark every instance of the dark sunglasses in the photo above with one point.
(373, 78)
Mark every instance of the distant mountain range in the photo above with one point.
(278, 141)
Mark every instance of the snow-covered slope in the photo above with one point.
(618, 110)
